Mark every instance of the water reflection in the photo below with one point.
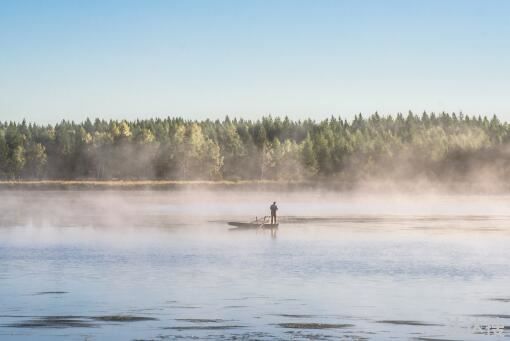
(143, 265)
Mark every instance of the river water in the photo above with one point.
(163, 265)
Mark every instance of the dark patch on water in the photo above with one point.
(314, 325)
(181, 328)
(300, 335)
(71, 321)
(236, 306)
(500, 299)
(54, 322)
(408, 323)
(295, 315)
(246, 336)
(123, 318)
(51, 293)
(433, 339)
(501, 316)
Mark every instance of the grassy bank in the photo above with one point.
(157, 185)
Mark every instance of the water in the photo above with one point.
(140, 265)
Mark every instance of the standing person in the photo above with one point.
(273, 209)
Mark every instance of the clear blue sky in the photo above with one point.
(199, 59)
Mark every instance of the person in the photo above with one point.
(273, 208)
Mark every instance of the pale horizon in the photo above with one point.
(199, 60)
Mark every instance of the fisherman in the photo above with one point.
(273, 209)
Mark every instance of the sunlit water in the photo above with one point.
(95, 265)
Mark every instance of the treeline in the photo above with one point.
(438, 147)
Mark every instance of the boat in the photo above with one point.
(255, 224)
(252, 225)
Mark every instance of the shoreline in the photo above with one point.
(159, 185)
(416, 187)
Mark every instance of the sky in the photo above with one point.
(211, 58)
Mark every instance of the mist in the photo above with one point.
(164, 264)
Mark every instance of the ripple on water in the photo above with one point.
(500, 299)
(295, 315)
(408, 323)
(433, 339)
(312, 325)
(54, 322)
(123, 318)
(50, 293)
(198, 320)
(501, 316)
(72, 321)
(209, 327)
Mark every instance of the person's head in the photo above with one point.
(274, 202)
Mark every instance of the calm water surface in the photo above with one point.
(141, 265)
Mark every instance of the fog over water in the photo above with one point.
(163, 265)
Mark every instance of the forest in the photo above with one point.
(439, 147)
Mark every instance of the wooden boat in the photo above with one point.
(263, 223)
(252, 225)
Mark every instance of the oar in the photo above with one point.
(261, 226)
(257, 220)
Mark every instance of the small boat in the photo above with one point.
(252, 225)
(255, 224)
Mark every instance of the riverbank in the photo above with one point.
(261, 185)
(156, 185)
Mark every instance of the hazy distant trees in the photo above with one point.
(439, 147)
(36, 160)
